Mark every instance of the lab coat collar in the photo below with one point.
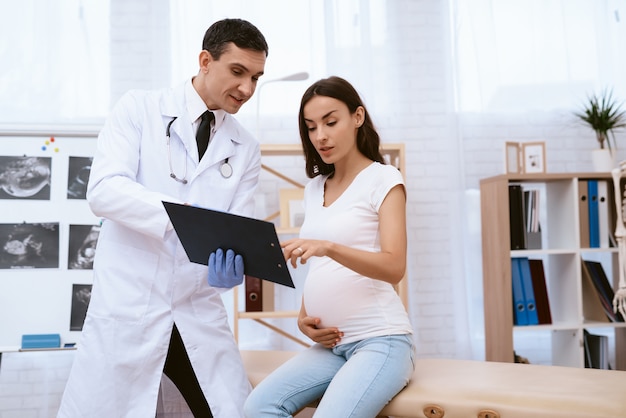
(223, 142)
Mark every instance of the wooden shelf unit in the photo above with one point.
(561, 249)
(393, 154)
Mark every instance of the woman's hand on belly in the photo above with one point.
(328, 337)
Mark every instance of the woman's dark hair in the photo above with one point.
(367, 139)
(238, 31)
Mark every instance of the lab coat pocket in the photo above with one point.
(208, 304)
(123, 282)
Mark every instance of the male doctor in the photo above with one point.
(151, 310)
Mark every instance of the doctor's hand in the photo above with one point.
(225, 270)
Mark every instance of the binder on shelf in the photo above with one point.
(516, 217)
(593, 309)
(594, 225)
(520, 316)
(603, 214)
(254, 294)
(540, 288)
(583, 213)
(529, 293)
(603, 289)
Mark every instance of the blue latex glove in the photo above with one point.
(225, 271)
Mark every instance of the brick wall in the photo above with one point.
(32, 383)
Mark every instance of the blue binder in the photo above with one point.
(529, 292)
(520, 316)
(594, 221)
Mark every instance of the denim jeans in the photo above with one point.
(354, 380)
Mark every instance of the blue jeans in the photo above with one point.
(354, 380)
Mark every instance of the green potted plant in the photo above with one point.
(604, 115)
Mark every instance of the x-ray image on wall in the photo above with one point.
(25, 177)
(34, 245)
(77, 177)
(81, 295)
(82, 246)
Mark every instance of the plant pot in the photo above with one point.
(603, 160)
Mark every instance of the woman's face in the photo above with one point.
(332, 128)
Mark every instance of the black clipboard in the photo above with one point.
(202, 231)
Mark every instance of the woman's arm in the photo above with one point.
(388, 265)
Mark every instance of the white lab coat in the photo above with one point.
(143, 280)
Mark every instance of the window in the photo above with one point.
(332, 37)
(518, 55)
(55, 62)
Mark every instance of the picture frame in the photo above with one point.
(291, 208)
(534, 157)
(513, 158)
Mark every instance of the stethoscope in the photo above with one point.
(226, 170)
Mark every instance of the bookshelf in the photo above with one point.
(562, 255)
(283, 164)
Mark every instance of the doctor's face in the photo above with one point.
(229, 82)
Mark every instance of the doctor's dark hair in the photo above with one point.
(367, 139)
(238, 31)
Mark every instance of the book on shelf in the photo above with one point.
(603, 288)
(596, 351)
(542, 301)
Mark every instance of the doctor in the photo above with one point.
(151, 310)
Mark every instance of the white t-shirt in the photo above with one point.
(358, 306)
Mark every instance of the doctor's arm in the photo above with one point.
(113, 191)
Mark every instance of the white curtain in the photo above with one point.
(528, 55)
(55, 61)
(323, 38)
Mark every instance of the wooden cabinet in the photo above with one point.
(282, 174)
(562, 255)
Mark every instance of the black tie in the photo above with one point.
(202, 136)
